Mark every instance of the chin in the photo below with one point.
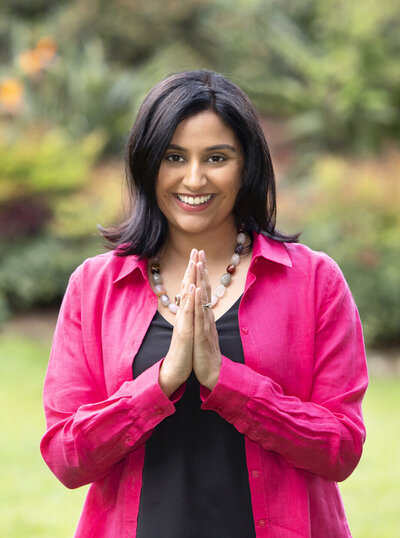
(194, 227)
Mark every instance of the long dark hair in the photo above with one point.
(168, 103)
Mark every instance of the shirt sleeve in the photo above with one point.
(324, 435)
(88, 434)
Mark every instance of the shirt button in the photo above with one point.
(219, 409)
(255, 473)
(261, 522)
(245, 330)
(256, 435)
(159, 410)
(127, 440)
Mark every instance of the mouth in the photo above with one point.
(194, 200)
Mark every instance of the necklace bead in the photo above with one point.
(155, 267)
(160, 290)
(239, 248)
(219, 291)
(157, 278)
(241, 238)
(231, 268)
(235, 259)
(226, 279)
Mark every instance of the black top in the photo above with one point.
(195, 481)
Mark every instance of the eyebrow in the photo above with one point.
(210, 148)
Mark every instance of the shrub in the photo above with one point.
(350, 208)
(35, 273)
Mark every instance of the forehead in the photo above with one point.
(203, 127)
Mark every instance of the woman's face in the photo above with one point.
(200, 175)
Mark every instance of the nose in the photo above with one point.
(194, 178)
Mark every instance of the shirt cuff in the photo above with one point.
(234, 388)
(148, 397)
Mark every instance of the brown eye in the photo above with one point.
(216, 158)
(175, 158)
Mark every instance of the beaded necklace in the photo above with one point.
(219, 291)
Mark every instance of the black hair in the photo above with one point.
(172, 100)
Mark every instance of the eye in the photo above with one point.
(175, 158)
(216, 158)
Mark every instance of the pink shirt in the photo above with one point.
(297, 399)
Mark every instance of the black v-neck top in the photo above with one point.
(195, 481)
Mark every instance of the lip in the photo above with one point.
(190, 208)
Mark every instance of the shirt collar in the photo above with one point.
(127, 265)
(269, 249)
(263, 247)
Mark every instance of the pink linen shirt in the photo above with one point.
(297, 399)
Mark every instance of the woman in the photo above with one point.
(233, 410)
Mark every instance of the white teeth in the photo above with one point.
(194, 201)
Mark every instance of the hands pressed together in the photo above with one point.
(194, 343)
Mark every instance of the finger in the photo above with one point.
(199, 314)
(193, 258)
(189, 305)
(202, 257)
(185, 311)
(199, 278)
(200, 282)
(189, 278)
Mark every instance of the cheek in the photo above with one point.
(165, 181)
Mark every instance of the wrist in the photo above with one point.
(168, 382)
(212, 379)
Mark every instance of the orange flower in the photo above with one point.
(32, 61)
(29, 62)
(11, 91)
(46, 48)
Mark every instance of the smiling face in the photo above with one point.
(200, 175)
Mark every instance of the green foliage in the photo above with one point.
(351, 210)
(40, 161)
(75, 72)
(36, 272)
(99, 202)
(52, 198)
(331, 66)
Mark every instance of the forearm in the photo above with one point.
(309, 435)
(81, 447)
(169, 380)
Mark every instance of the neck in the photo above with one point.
(217, 244)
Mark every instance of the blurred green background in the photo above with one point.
(325, 77)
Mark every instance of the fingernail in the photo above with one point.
(203, 255)
(191, 288)
(191, 263)
(192, 254)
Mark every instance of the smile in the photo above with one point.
(194, 200)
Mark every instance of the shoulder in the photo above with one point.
(297, 256)
(303, 256)
(317, 270)
(104, 269)
(303, 268)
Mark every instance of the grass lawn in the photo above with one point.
(34, 504)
